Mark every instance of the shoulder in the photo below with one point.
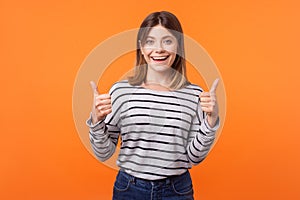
(119, 86)
(193, 89)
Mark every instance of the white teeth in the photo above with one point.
(159, 57)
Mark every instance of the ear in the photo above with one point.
(140, 43)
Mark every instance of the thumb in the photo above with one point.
(214, 85)
(94, 87)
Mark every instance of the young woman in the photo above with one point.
(166, 124)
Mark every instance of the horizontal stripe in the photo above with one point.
(98, 148)
(100, 154)
(149, 165)
(194, 161)
(189, 90)
(152, 149)
(159, 109)
(161, 154)
(154, 133)
(151, 141)
(160, 102)
(152, 157)
(154, 116)
(151, 95)
(102, 140)
(207, 142)
(153, 124)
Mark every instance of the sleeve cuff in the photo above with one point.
(212, 129)
(95, 127)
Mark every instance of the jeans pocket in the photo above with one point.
(182, 185)
(122, 183)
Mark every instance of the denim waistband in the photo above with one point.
(152, 182)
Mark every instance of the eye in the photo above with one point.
(149, 42)
(168, 41)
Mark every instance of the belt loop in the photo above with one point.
(132, 180)
(168, 181)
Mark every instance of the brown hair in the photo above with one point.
(170, 22)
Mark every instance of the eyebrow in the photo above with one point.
(162, 37)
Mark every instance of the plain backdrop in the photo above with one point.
(255, 45)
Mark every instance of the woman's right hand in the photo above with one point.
(101, 104)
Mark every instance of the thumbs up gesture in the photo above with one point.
(101, 104)
(209, 104)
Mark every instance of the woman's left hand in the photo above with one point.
(209, 104)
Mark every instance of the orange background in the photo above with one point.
(255, 46)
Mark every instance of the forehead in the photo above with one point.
(159, 32)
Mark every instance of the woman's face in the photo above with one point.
(160, 48)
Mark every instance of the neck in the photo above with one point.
(160, 78)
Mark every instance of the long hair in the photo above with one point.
(170, 22)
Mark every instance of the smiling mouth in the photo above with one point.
(159, 58)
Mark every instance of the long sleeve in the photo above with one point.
(201, 137)
(104, 134)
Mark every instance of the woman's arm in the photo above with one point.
(103, 128)
(204, 125)
(201, 137)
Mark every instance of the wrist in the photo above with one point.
(96, 119)
(212, 120)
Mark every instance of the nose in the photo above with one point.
(159, 47)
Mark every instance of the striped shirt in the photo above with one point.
(162, 133)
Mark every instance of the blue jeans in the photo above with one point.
(128, 187)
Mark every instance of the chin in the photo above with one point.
(159, 67)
